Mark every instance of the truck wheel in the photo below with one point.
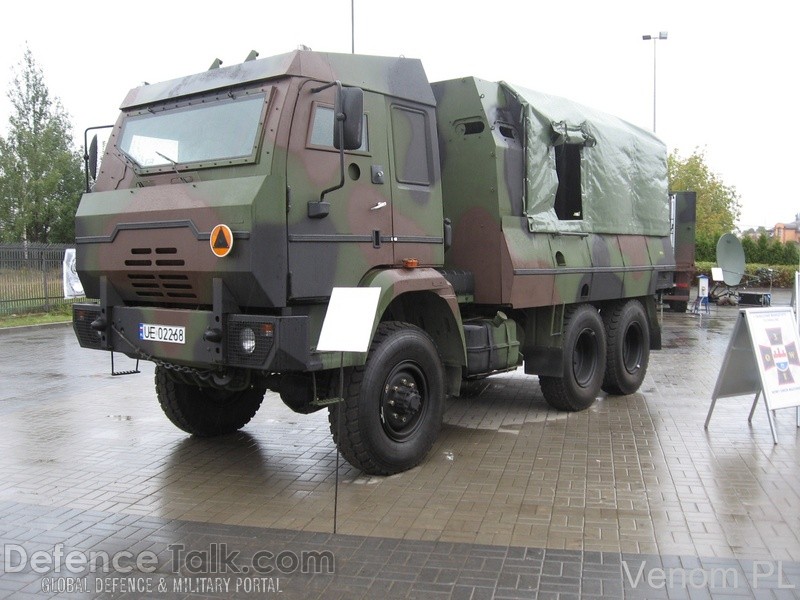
(205, 411)
(583, 361)
(393, 405)
(628, 342)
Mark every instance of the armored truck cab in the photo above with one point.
(502, 228)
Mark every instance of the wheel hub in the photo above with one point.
(403, 402)
(632, 348)
(404, 399)
(584, 357)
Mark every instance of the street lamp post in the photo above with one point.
(662, 35)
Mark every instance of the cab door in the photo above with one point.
(417, 228)
(337, 245)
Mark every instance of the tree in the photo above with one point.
(768, 252)
(750, 249)
(40, 172)
(762, 250)
(717, 204)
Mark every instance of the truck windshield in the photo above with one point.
(225, 130)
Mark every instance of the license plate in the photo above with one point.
(162, 333)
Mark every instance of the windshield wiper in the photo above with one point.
(173, 163)
(169, 160)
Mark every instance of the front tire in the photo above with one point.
(628, 339)
(204, 411)
(393, 405)
(583, 362)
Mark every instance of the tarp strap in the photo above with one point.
(565, 133)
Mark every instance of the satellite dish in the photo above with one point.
(730, 258)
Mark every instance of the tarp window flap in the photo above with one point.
(564, 133)
(623, 178)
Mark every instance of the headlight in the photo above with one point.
(247, 339)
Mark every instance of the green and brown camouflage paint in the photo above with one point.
(453, 150)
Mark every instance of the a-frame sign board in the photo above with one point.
(763, 358)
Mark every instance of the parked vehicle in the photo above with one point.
(503, 227)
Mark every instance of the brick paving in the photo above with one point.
(631, 498)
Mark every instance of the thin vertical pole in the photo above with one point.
(654, 84)
(352, 26)
(339, 417)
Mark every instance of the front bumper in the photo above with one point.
(265, 343)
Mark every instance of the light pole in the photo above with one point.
(662, 35)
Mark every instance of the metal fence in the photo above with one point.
(31, 277)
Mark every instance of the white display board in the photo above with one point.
(775, 344)
(73, 288)
(762, 358)
(349, 320)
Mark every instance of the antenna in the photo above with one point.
(352, 26)
(730, 258)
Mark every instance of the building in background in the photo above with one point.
(787, 232)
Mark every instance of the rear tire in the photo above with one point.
(628, 342)
(204, 411)
(392, 409)
(584, 357)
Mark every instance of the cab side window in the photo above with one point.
(321, 130)
(412, 146)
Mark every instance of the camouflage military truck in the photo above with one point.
(503, 228)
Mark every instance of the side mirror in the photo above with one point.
(448, 234)
(90, 154)
(93, 158)
(350, 109)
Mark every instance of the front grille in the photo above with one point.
(82, 318)
(154, 284)
(161, 285)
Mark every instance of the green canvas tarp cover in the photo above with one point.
(623, 168)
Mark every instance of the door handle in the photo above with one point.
(378, 206)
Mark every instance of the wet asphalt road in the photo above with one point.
(636, 475)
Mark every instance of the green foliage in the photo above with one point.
(61, 313)
(751, 253)
(756, 275)
(705, 248)
(40, 172)
(762, 251)
(791, 254)
(717, 211)
(770, 252)
(717, 203)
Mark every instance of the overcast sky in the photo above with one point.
(726, 75)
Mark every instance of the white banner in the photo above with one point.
(73, 288)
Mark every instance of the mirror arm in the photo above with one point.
(340, 125)
(322, 88)
(318, 209)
